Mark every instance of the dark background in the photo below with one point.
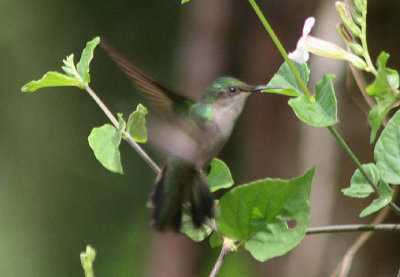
(55, 198)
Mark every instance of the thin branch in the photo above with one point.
(354, 228)
(143, 154)
(224, 250)
(128, 137)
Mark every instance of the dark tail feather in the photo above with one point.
(201, 201)
(178, 184)
(167, 205)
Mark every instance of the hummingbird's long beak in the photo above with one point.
(263, 87)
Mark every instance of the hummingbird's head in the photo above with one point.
(227, 89)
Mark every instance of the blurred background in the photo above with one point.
(55, 198)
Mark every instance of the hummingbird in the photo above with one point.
(182, 185)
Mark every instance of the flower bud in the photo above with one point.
(344, 33)
(355, 14)
(356, 61)
(347, 19)
(360, 5)
(356, 48)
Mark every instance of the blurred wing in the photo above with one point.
(165, 101)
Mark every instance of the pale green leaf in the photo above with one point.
(136, 126)
(86, 57)
(104, 142)
(51, 79)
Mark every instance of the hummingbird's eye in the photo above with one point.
(232, 90)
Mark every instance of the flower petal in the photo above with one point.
(300, 54)
(308, 25)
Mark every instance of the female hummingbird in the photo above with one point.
(208, 123)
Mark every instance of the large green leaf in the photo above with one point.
(321, 111)
(258, 215)
(219, 177)
(359, 185)
(284, 78)
(136, 125)
(387, 151)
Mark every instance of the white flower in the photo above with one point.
(300, 55)
(309, 44)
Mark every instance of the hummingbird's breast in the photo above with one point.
(214, 133)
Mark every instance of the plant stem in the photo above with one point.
(224, 250)
(354, 159)
(354, 228)
(129, 139)
(279, 46)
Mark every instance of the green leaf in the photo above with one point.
(219, 177)
(69, 67)
(104, 142)
(386, 194)
(386, 80)
(86, 57)
(136, 126)
(185, 1)
(359, 186)
(323, 111)
(56, 79)
(284, 78)
(258, 215)
(377, 114)
(51, 79)
(121, 123)
(384, 89)
(215, 240)
(387, 151)
(196, 234)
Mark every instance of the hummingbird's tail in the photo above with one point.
(180, 183)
